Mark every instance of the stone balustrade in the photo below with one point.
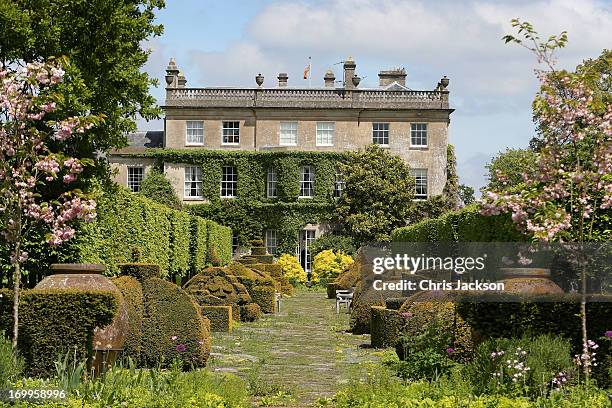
(305, 98)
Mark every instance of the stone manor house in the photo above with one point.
(336, 116)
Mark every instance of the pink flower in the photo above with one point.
(450, 351)
(608, 334)
(174, 338)
(181, 348)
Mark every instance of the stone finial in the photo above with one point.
(181, 81)
(444, 82)
(283, 78)
(329, 79)
(259, 79)
(172, 73)
(356, 81)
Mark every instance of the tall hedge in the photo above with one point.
(163, 235)
(54, 322)
(220, 238)
(465, 225)
(168, 312)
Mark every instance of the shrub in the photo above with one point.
(220, 317)
(336, 243)
(199, 244)
(132, 294)
(169, 311)
(158, 188)
(221, 284)
(395, 303)
(363, 299)
(52, 322)
(140, 271)
(250, 312)
(328, 265)
(430, 308)
(385, 326)
(180, 242)
(265, 297)
(291, 269)
(525, 366)
(11, 366)
(251, 277)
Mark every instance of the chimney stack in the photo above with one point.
(181, 80)
(329, 78)
(386, 78)
(349, 73)
(283, 78)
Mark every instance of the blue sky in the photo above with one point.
(226, 43)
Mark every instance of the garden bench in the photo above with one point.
(343, 297)
(278, 297)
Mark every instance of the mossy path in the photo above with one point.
(297, 356)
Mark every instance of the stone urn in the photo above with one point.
(107, 341)
(529, 281)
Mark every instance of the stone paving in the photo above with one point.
(297, 356)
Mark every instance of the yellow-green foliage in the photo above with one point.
(220, 318)
(132, 294)
(169, 311)
(328, 265)
(276, 272)
(291, 268)
(251, 277)
(349, 278)
(219, 283)
(53, 322)
(140, 271)
(385, 326)
(265, 297)
(250, 312)
(364, 298)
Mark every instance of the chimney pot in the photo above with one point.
(329, 79)
(349, 73)
(283, 78)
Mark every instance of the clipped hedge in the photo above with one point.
(54, 322)
(385, 326)
(220, 317)
(140, 271)
(465, 225)
(180, 242)
(516, 315)
(363, 299)
(250, 312)
(169, 311)
(132, 294)
(164, 236)
(251, 277)
(219, 238)
(265, 297)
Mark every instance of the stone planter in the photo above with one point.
(109, 340)
(530, 281)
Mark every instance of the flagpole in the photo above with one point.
(310, 72)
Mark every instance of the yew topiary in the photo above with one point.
(131, 290)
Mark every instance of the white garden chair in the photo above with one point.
(344, 297)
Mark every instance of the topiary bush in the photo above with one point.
(131, 290)
(173, 327)
(180, 243)
(265, 297)
(385, 326)
(140, 271)
(251, 277)
(276, 271)
(220, 317)
(219, 240)
(53, 322)
(250, 312)
(198, 244)
(364, 298)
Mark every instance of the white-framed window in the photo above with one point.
(380, 134)
(229, 182)
(271, 183)
(195, 133)
(325, 133)
(230, 133)
(338, 184)
(420, 183)
(193, 182)
(288, 133)
(135, 174)
(307, 181)
(418, 134)
(271, 241)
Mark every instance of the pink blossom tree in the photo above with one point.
(29, 95)
(572, 176)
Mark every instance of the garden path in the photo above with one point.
(297, 356)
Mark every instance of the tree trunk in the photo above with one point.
(16, 281)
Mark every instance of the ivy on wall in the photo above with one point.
(252, 212)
